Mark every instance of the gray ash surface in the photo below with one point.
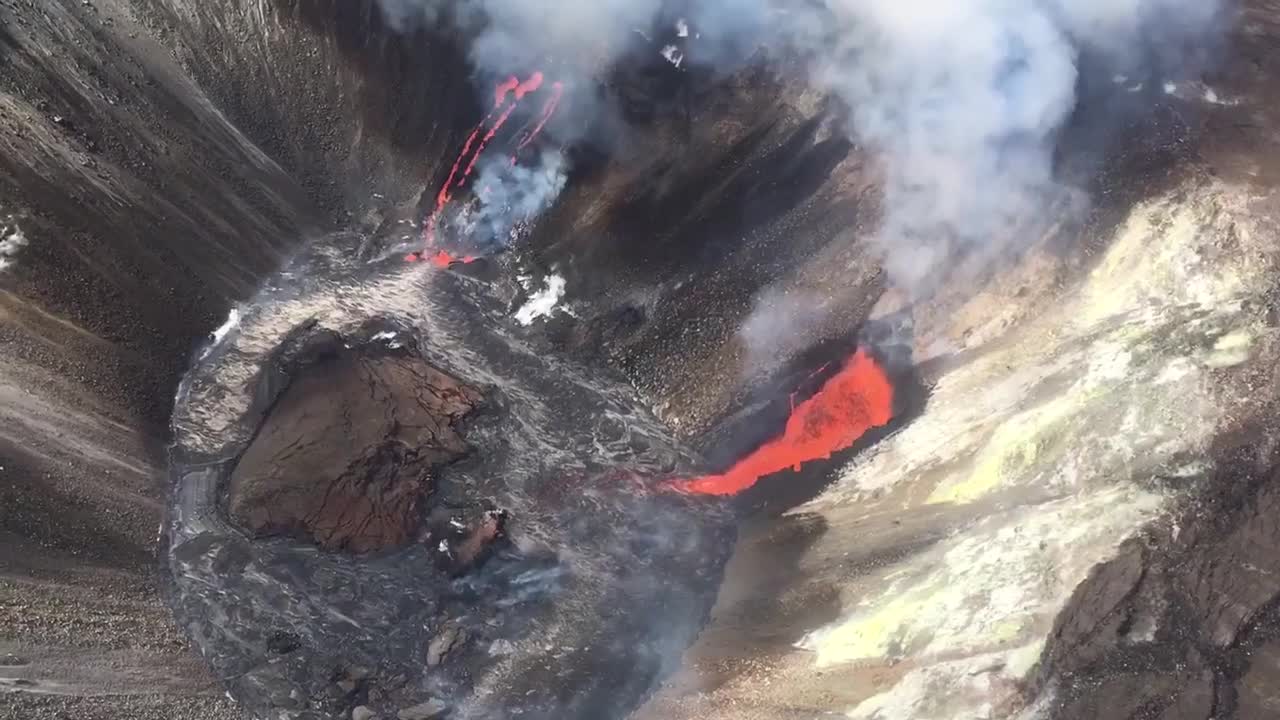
(438, 513)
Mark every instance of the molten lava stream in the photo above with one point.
(548, 109)
(518, 89)
(851, 402)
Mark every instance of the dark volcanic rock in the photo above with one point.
(1184, 623)
(346, 455)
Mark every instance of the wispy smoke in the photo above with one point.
(405, 15)
(510, 195)
(513, 36)
(777, 327)
(964, 100)
(12, 241)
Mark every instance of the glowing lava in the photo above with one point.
(548, 109)
(851, 402)
(512, 88)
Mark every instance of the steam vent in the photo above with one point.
(639, 360)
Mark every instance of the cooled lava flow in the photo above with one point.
(856, 399)
(513, 89)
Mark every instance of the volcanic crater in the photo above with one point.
(662, 444)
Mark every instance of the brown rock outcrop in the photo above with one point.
(347, 454)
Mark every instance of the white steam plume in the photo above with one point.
(512, 194)
(963, 99)
(12, 241)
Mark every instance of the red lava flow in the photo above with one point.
(856, 399)
(548, 109)
(515, 89)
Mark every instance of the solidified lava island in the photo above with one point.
(350, 451)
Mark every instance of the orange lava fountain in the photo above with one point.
(856, 399)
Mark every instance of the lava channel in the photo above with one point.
(856, 399)
(512, 88)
